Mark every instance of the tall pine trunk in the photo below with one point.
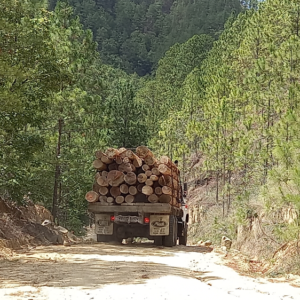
(57, 184)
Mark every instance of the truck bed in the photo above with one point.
(156, 208)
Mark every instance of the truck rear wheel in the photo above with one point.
(175, 232)
(158, 241)
(183, 239)
(170, 240)
(104, 238)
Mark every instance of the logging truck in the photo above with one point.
(137, 195)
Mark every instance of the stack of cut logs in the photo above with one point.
(127, 177)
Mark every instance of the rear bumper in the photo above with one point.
(151, 208)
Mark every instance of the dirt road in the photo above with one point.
(136, 272)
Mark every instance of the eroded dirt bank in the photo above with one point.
(138, 271)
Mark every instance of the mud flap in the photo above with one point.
(159, 225)
(103, 225)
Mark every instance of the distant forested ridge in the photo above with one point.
(134, 34)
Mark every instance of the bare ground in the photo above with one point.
(137, 271)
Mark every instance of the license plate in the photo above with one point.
(103, 225)
(127, 219)
(159, 225)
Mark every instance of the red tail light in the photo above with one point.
(146, 220)
(112, 218)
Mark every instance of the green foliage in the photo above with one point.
(125, 116)
(55, 96)
(241, 109)
(29, 74)
(134, 35)
(164, 95)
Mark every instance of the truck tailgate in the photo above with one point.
(156, 208)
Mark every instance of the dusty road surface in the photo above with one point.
(138, 271)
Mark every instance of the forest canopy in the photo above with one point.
(134, 34)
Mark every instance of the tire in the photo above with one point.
(183, 239)
(170, 240)
(158, 241)
(104, 238)
(118, 240)
(175, 232)
(116, 237)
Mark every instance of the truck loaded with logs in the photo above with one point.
(137, 195)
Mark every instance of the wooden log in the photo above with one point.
(99, 165)
(104, 174)
(158, 190)
(150, 160)
(163, 169)
(92, 196)
(164, 198)
(112, 153)
(129, 199)
(130, 154)
(140, 187)
(133, 167)
(161, 181)
(122, 152)
(106, 160)
(102, 181)
(156, 164)
(167, 190)
(155, 172)
(166, 161)
(118, 160)
(103, 190)
(98, 154)
(115, 191)
(143, 151)
(127, 160)
(103, 157)
(174, 201)
(168, 181)
(148, 173)
(140, 198)
(154, 177)
(132, 190)
(136, 161)
(113, 175)
(147, 190)
(130, 178)
(142, 177)
(120, 199)
(153, 198)
(124, 188)
(110, 200)
(98, 174)
(103, 199)
(115, 178)
(175, 170)
(113, 166)
(149, 182)
(125, 167)
(96, 187)
(145, 167)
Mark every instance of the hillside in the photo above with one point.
(238, 121)
(134, 34)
